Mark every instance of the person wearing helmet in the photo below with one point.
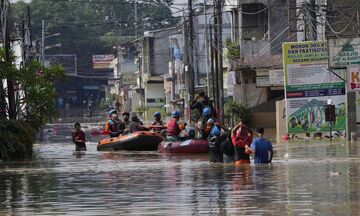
(241, 138)
(173, 129)
(113, 125)
(207, 123)
(214, 134)
(158, 125)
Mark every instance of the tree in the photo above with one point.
(235, 111)
(94, 27)
(36, 90)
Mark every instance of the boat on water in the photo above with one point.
(191, 146)
(137, 141)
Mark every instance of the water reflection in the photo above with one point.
(316, 178)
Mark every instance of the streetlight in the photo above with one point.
(43, 41)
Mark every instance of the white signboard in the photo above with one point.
(262, 82)
(276, 77)
(353, 78)
(102, 61)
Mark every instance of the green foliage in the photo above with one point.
(94, 27)
(38, 84)
(237, 112)
(141, 109)
(233, 49)
(16, 138)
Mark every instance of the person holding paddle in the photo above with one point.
(158, 125)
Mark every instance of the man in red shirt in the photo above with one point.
(79, 138)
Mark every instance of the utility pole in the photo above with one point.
(186, 94)
(42, 42)
(119, 60)
(207, 52)
(220, 64)
(136, 19)
(26, 37)
(216, 58)
(3, 18)
(289, 19)
(172, 59)
(191, 51)
(5, 15)
(212, 69)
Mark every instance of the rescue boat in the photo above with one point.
(191, 146)
(137, 141)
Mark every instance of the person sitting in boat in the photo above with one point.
(136, 124)
(113, 126)
(78, 137)
(241, 138)
(126, 119)
(125, 123)
(158, 125)
(174, 129)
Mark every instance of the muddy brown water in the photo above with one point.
(317, 178)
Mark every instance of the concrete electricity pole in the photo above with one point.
(5, 23)
(220, 64)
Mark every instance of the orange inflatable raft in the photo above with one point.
(137, 141)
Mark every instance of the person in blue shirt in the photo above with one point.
(261, 147)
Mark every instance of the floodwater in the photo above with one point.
(314, 178)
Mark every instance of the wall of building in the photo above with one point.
(154, 95)
(278, 22)
(264, 119)
(346, 9)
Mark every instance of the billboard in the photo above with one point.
(276, 77)
(344, 51)
(308, 85)
(353, 78)
(102, 61)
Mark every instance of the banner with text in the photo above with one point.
(308, 85)
(102, 61)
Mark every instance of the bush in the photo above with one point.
(16, 138)
(236, 111)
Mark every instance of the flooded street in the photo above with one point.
(317, 178)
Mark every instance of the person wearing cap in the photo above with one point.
(113, 125)
(241, 138)
(262, 148)
(158, 125)
(173, 129)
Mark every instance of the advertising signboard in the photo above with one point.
(353, 78)
(308, 85)
(344, 51)
(276, 77)
(102, 61)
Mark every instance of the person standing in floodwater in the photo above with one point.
(262, 148)
(78, 137)
(241, 138)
